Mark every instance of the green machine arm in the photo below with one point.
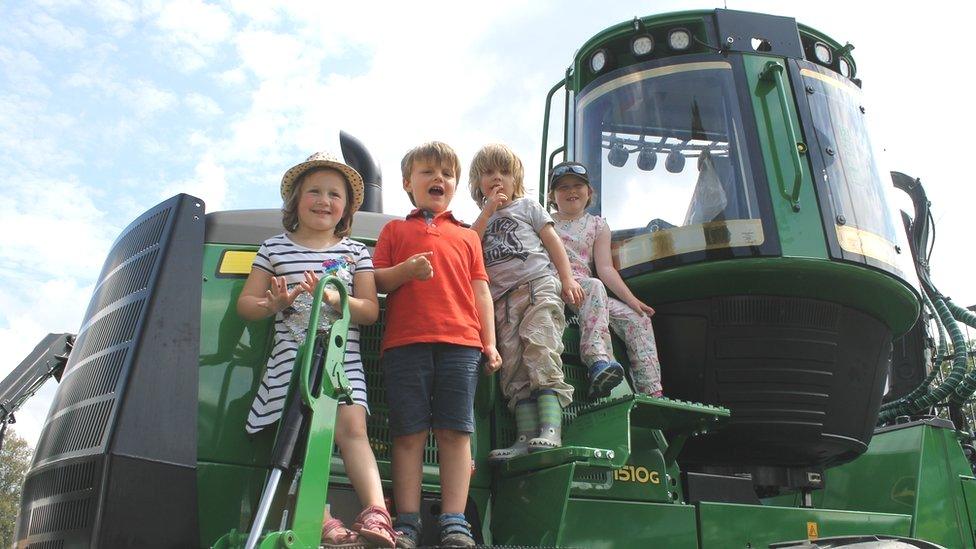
(318, 386)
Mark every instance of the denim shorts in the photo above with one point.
(431, 386)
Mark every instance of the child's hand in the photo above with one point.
(493, 360)
(278, 298)
(572, 292)
(495, 198)
(640, 307)
(330, 296)
(418, 266)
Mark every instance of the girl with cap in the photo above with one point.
(587, 241)
(320, 196)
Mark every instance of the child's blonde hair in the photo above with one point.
(495, 157)
(432, 151)
(289, 209)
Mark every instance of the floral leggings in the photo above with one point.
(597, 315)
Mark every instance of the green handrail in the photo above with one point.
(774, 72)
(335, 378)
(545, 141)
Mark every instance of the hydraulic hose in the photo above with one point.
(940, 354)
(960, 351)
(962, 315)
(948, 386)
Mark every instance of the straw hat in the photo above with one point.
(325, 159)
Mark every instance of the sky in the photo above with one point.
(109, 107)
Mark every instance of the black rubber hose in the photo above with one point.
(940, 354)
(948, 386)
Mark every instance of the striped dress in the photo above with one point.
(280, 256)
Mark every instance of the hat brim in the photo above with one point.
(352, 176)
(582, 178)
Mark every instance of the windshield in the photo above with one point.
(664, 149)
(863, 219)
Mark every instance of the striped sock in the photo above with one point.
(550, 412)
(526, 418)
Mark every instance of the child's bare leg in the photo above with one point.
(638, 334)
(357, 455)
(454, 449)
(408, 456)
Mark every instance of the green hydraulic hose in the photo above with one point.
(940, 354)
(960, 351)
(962, 315)
(948, 386)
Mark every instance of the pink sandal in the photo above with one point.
(335, 534)
(375, 525)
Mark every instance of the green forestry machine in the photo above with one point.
(807, 403)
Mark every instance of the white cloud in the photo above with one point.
(53, 33)
(192, 31)
(209, 182)
(202, 104)
(51, 226)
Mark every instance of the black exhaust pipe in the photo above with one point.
(356, 155)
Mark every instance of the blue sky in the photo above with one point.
(108, 107)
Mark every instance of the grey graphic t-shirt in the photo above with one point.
(513, 250)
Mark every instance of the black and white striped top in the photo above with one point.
(280, 256)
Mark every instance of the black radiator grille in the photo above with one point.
(112, 329)
(113, 371)
(131, 277)
(52, 544)
(78, 429)
(60, 480)
(141, 237)
(94, 378)
(61, 516)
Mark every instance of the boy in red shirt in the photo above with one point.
(439, 322)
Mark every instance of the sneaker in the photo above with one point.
(407, 534)
(375, 525)
(335, 534)
(604, 376)
(455, 531)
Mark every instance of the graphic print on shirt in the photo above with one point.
(502, 243)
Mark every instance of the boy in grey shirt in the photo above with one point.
(528, 270)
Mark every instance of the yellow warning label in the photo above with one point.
(236, 262)
(812, 530)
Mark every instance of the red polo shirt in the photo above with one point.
(442, 309)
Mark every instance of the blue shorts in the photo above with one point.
(431, 386)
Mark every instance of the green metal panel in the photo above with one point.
(916, 470)
(731, 525)
(618, 36)
(228, 494)
(800, 232)
(624, 525)
(969, 492)
(232, 466)
(530, 509)
(232, 358)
